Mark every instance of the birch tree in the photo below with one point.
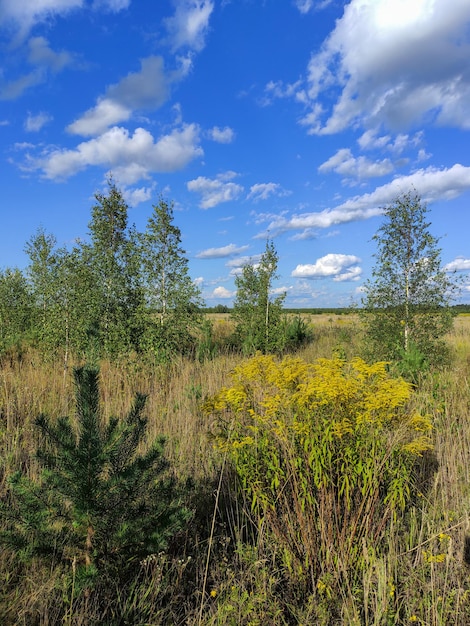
(172, 298)
(406, 307)
(256, 311)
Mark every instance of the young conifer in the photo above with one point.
(99, 501)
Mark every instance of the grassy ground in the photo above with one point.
(214, 577)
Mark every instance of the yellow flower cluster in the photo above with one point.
(289, 394)
(429, 557)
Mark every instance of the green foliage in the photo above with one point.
(207, 347)
(118, 293)
(173, 300)
(406, 306)
(258, 317)
(100, 502)
(296, 333)
(326, 453)
(16, 308)
(114, 293)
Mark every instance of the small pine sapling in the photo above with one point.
(99, 501)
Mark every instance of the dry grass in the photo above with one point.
(411, 584)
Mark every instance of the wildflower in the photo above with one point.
(429, 557)
(413, 618)
(213, 593)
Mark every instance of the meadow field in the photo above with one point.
(225, 568)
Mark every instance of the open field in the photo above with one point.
(217, 574)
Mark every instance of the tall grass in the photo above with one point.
(421, 577)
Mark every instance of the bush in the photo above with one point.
(326, 453)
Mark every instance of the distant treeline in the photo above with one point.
(222, 308)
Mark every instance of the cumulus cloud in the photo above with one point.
(222, 292)
(215, 191)
(135, 196)
(190, 23)
(220, 253)
(145, 89)
(340, 267)
(263, 191)
(392, 62)
(344, 163)
(34, 123)
(433, 184)
(133, 154)
(222, 135)
(460, 264)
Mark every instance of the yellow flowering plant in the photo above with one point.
(326, 452)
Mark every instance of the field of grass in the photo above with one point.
(220, 571)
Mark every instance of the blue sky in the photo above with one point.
(297, 120)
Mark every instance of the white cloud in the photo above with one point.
(129, 174)
(423, 155)
(277, 89)
(34, 123)
(133, 197)
(96, 120)
(220, 253)
(244, 260)
(262, 191)
(116, 148)
(40, 53)
(431, 183)
(15, 88)
(236, 265)
(146, 89)
(24, 14)
(190, 23)
(458, 265)
(394, 62)
(222, 135)
(111, 5)
(370, 141)
(344, 163)
(44, 60)
(340, 267)
(305, 6)
(215, 191)
(222, 292)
